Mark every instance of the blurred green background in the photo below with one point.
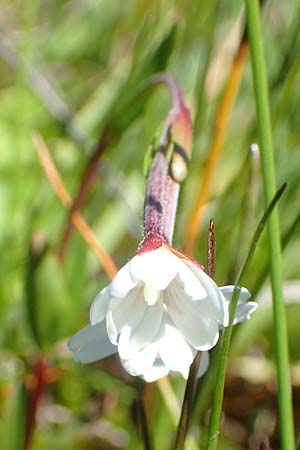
(72, 71)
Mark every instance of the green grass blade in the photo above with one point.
(213, 432)
(287, 237)
(274, 244)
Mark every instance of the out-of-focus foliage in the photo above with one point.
(73, 70)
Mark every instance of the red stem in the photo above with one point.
(154, 207)
(34, 398)
(171, 199)
(162, 190)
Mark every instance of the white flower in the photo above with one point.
(158, 311)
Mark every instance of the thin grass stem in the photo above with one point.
(209, 379)
(213, 431)
(187, 403)
(143, 423)
(287, 237)
(274, 244)
(65, 199)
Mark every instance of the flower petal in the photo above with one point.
(143, 333)
(123, 282)
(212, 291)
(150, 295)
(85, 335)
(204, 363)
(119, 312)
(156, 371)
(99, 306)
(174, 351)
(194, 319)
(126, 346)
(244, 311)
(91, 344)
(193, 285)
(142, 361)
(156, 268)
(244, 308)
(208, 307)
(227, 291)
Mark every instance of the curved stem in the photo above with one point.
(223, 353)
(170, 161)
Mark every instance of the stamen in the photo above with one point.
(151, 295)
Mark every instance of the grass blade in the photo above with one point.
(274, 244)
(223, 353)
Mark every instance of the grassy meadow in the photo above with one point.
(73, 73)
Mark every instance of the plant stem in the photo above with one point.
(34, 399)
(269, 183)
(187, 403)
(162, 186)
(142, 421)
(287, 238)
(154, 205)
(223, 353)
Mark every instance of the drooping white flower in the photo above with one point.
(158, 311)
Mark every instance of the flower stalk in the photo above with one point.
(154, 207)
(169, 166)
